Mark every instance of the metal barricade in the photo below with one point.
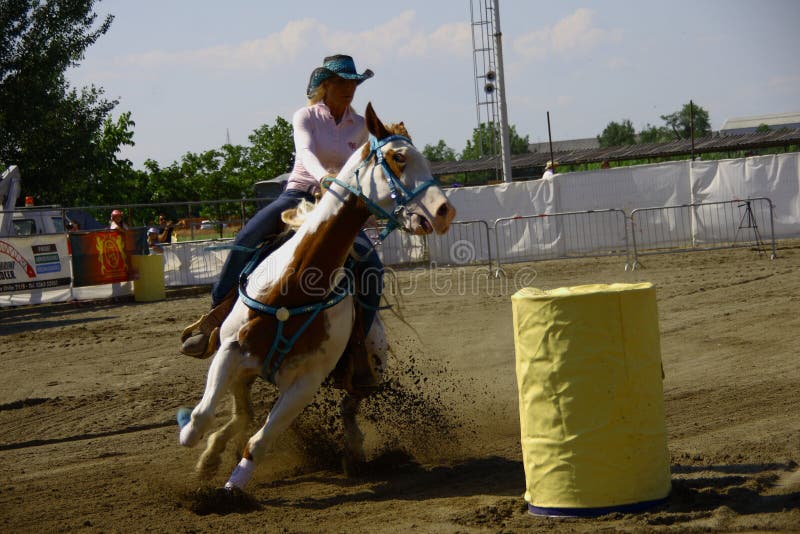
(703, 226)
(191, 263)
(551, 236)
(465, 243)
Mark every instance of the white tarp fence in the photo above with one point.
(776, 177)
(679, 183)
(194, 262)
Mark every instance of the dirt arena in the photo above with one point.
(89, 393)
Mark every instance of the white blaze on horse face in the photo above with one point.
(429, 211)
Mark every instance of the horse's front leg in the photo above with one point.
(285, 410)
(241, 416)
(225, 365)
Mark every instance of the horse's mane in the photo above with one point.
(397, 128)
(295, 217)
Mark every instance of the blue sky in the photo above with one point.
(193, 72)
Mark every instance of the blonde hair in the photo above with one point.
(320, 92)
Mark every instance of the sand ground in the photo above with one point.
(88, 440)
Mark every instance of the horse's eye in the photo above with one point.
(399, 158)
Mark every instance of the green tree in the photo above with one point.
(272, 150)
(655, 134)
(486, 141)
(57, 134)
(680, 122)
(763, 128)
(439, 152)
(618, 134)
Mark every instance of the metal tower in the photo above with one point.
(490, 105)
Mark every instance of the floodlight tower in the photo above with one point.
(490, 91)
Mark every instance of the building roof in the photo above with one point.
(714, 143)
(754, 121)
(569, 144)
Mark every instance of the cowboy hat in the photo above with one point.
(338, 65)
(550, 165)
(116, 212)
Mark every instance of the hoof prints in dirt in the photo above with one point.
(493, 516)
(205, 501)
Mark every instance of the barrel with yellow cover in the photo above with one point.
(591, 400)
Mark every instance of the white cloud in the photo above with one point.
(397, 37)
(573, 35)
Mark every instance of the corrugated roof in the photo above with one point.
(569, 144)
(717, 143)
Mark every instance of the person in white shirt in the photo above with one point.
(116, 222)
(326, 132)
(550, 169)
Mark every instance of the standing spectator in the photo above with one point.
(164, 229)
(116, 222)
(550, 169)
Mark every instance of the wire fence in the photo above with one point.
(561, 235)
(703, 226)
(197, 252)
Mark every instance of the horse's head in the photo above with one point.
(396, 180)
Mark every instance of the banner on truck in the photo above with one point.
(34, 263)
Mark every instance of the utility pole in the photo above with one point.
(501, 86)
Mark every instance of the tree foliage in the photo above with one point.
(227, 172)
(486, 141)
(677, 125)
(617, 134)
(61, 137)
(680, 122)
(272, 149)
(439, 152)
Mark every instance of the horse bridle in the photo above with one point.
(400, 193)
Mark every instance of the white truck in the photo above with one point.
(26, 221)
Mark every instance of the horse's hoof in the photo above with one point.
(188, 437)
(184, 417)
(241, 475)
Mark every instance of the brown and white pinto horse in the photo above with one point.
(299, 275)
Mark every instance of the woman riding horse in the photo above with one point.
(292, 330)
(326, 132)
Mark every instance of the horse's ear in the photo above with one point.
(374, 124)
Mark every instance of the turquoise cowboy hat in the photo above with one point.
(338, 65)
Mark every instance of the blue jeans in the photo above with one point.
(264, 226)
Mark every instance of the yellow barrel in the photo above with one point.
(149, 285)
(590, 399)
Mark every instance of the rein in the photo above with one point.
(400, 193)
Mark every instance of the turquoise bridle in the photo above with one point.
(399, 192)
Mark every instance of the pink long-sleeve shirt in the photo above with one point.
(321, 146)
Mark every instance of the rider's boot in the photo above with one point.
(201, 338)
